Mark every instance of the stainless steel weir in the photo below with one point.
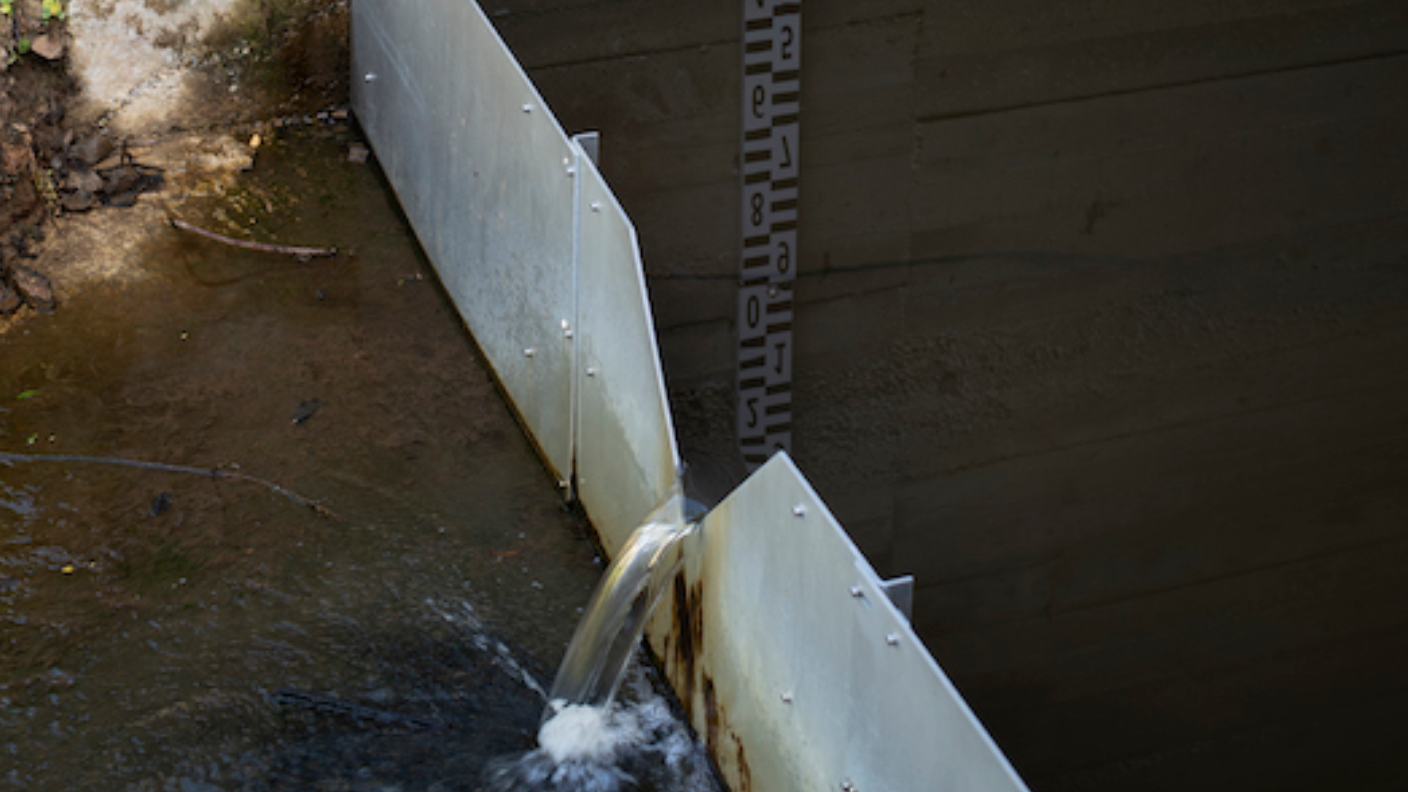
(794, 665)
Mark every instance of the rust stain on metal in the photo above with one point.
(711, 717)
(745, 776)
(684, 652)
(684, 655)
(689, 636)
(731, 761)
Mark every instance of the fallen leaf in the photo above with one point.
(48, 46)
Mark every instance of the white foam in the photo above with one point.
(582, 733)
(620, 747)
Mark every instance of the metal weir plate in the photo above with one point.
(530, 244)
(796, 666)
(772, 47)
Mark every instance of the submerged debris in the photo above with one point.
(306, 409)
(301, 253)
(161, 503)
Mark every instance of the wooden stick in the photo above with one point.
(264, 247)
(165, 468)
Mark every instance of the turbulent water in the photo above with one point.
(589, 740)
(638, 746)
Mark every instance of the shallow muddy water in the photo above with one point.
(166, 630)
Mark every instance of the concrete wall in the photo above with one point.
(1103, 335)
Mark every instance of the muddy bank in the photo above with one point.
(101, 103)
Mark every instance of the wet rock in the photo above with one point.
(77, 201)
(90, 151)
(81, 190)
(10, 300)
(83, 180)
(122, 184)
(121, 179)
(33, 288)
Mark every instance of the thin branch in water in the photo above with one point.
(301, 253)
(161, 467)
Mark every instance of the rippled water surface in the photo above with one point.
(166, 630)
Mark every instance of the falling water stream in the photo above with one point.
(588, 740)
(615, 619)
(162, 630)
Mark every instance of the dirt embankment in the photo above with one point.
(73, 141)
(35, 90)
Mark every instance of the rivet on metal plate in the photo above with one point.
(787, 698)
(596, 206)
(856, 592)
(567, 334)
(847, 786)
(527, 108)
(369, 77)
(591, 372)
(893, 639)
(529, 352)
(799, 510)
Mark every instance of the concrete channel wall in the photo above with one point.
(791, 660)
(1099, 333)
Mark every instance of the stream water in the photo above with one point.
(589, 740)
(163, 630)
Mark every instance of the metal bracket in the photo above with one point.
(900, 590)
(591, 144)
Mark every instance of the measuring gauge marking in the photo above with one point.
(772, 33)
